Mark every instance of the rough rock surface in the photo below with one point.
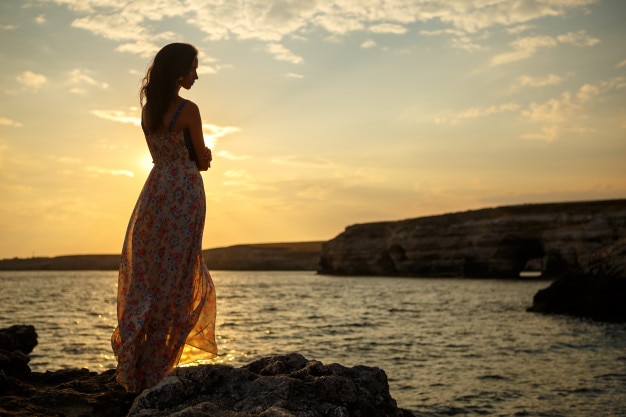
(598, 292)
(497, 242)
(16, 342)
(278, 386)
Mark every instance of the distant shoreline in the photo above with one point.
(263, 256)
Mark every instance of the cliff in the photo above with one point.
(495, 242)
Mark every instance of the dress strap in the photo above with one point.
(175, 116)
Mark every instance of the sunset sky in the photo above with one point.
(320, 114)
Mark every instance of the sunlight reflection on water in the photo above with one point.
(448, 346)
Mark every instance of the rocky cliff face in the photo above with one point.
(495, 242)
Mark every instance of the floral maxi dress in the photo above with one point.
(166, 300)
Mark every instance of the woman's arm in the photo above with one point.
(193, 122)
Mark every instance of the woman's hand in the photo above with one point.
(208, 156)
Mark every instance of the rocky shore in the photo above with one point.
(277, 386)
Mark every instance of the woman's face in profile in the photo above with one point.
(191, 76)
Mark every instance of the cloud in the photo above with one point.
(41, 19)
(524, 48)
(79, 77)
(294, 160)
(550, 79)
(466, 43)
(579, 38)
(478, 112)
(368, 44)
(388, 28)
(8, 27)
(437, 32)
(519, 29)
(31, 79)
(135, 24)
(119, 116)
(621, 64)
(561, 114)
(8, 122)
(294, 75)
(283, 54)
(213, 132)
(228, 155)
(97, 171)
(553, 132)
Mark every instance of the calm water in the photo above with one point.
(449, 347)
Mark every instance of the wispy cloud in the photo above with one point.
(478, 112)
(466, 43)
(31, 79)
(621, 64)
(564, 113)
(524, 48)
(283, 54)
(519, 29)
(370, 43)
(8, 27)
(132, 23)
(302, 161)
(475, 112)
(97, 171)
(213, 132)
(388, 28)
(119, 116)
(541, 81)
(228, 155)
(40, 19)
(77, 78)
(8, 122)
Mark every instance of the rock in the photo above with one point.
(72, 392)
(496, 242)
(15, 344)
(278, 386)
(597, 291)
(18, 337)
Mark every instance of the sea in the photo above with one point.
(450, 347)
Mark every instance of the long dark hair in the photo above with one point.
(160, 84)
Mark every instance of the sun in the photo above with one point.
(146, 162)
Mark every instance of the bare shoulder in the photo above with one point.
(191, 107)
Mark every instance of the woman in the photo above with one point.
(166, 299)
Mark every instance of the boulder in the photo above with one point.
(16, 342)
(18, 337)
(597, 291)
(278, 386)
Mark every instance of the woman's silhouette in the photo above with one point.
(166, 299)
